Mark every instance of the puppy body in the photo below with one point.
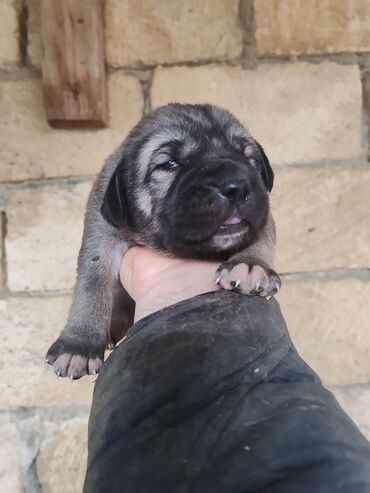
(189, 181)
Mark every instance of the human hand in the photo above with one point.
(155, 281)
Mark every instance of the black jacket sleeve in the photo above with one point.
(210, 395)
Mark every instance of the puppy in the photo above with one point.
(189, 181)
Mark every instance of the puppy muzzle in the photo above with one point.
(226, 198)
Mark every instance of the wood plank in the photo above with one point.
(74, 82)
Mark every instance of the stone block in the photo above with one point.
(9, 34)
(366, 83)
(2, 253)
(28, 326)
(300, 113)
(168, 31)
(311, 26)
(34, 48)
(61, 463)
(10, 477)
(322, 218)
(329, 324)
(30, 149)
(45, 225)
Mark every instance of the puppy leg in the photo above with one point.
(249, 271)
(79, 350)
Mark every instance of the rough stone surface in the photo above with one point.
(34, 48)
(45, 226)
(61, 463)
(300, 112)
(28, 327)
(329, 324)
(167, 31)
(314, 26)
(322, 218)
(355, 400)
(10, 478)
(154, 32)
(9, 35)
(2, 267)
(366, 84)
(31, 149)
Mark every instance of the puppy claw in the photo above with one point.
(248, 278)
(235, 284)
(74, 361)
(258, 289)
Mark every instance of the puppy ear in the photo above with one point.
(114, 208)
(266, 171)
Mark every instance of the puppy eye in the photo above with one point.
(168, 165)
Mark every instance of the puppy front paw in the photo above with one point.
(248, 278)
(73, 359)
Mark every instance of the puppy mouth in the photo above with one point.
(233, 224)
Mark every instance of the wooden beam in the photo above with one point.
(74, 82)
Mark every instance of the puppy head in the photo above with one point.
(192, 182)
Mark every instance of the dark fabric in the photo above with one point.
(209, 395)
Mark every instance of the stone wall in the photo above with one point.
(298, 74)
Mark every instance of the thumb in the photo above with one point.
(140, 267)
(127, 267)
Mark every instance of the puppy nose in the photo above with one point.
(234, 190)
